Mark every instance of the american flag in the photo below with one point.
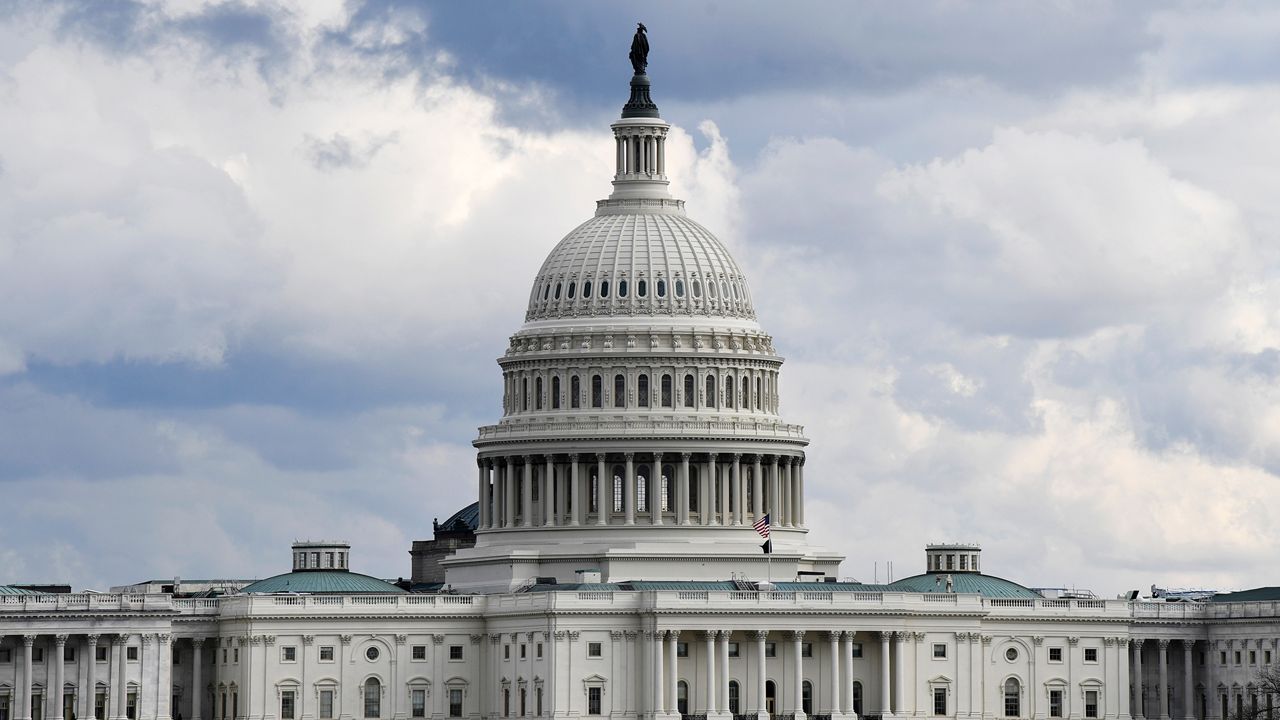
(762, 527)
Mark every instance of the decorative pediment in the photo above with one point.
(940, 680)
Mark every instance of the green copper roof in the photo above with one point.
(322, 581)
(10, 590)
(967, 583)
(1262, 594)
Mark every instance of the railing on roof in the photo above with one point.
(685, 428)
(54, 602)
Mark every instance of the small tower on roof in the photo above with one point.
(641, 135)
(321, 555)
(953, 558)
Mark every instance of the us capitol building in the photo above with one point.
(612, 564)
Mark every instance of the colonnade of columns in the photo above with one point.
(146, 699)
(1160, 708)
(707, 489)
(640, 154)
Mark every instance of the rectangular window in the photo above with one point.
(1091, 655)
(100, 653)
(1266, 657)
(131, 654)
(224, 656)
(176, 659)
(506, 652)
(857, 650)
(37, 706)
(326, 653)
(235, 655)
(286, 705)
(455, 652)
(594, 650)
(682, 649)
(733, 649)
(1055, 703)
(538, 653)
(939, 701)
(593, 701)
(289, 653)
(418, 652)
(1222, 657)
(806, 650)
(1091, 703)
(940, 651)
(68, 653)
(6, 655)
(1237, 657)
(455, 702)
(770, 650)
(524, 651)
(326, 705)
(4, 707)
(1253, 657)
(537, 693)
(1055, 654)
(419, 702)
(37, 656)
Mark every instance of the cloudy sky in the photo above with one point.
(257, 260)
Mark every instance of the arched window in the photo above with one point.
(734, 693)
(806, 697)
(711, 391)
(617, 488)
(1012, 698)
(688, 391)
(668, 488)
(597, 391)
(856, 698)
(662, 288)
(642, 288)
(574, 388)
(604, 288)
(770, 697)
(524, 393)
(573, 288)
(546, 291)
(372, 698)
(642, 390)
(746, 394)
(682, 697)
(619, 391)
(537, 393)
(759, 404)
(735, 291)
(728, 393)
(724, 290)
(557, 291)
(642, 488)
(697, 288)
(622, 288)
(586, 289)
(665, 391)
(711, 289)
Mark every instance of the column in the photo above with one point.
(775, 504)
(53, 699)
(659, 673)
(738, 487)
(604, 492)
(710, 636)
(656, 486)
(483, 494)
(1138, 690)
(526, 493)
(833, 637)
(757, 490)
(118, 675)
(575, 492)
(629, 489)
(197, 684)
(662, 156)
(1120, 661)
(549, 494)
(762, 712)
(787, 495)
(495, 653)
(164, 671)
(145, 709)
(508, 493)
(722, 477)
(722, 692)
(798, 493)
(91, 659)
(885, 705)
(706, 498)
(846, 691)
(1188, 685)
(673, 671)
(1163, 645)
(25, 709)
(682, 490)
(899, 670)
(797, 642)
(621, 155)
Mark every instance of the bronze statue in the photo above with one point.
(640, 49)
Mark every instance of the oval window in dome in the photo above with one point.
(557, 291)
(573, 289)
(735, 291)
(711, 289)
(622, 288)
(604, 288)
(586, 288)
(546, 291)
(697, 288)
(679, 288)
(662, 288)
(642, 288)
(724, 290)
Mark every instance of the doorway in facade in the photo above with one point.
(771, 698)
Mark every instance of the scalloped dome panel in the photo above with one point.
(644, 263)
